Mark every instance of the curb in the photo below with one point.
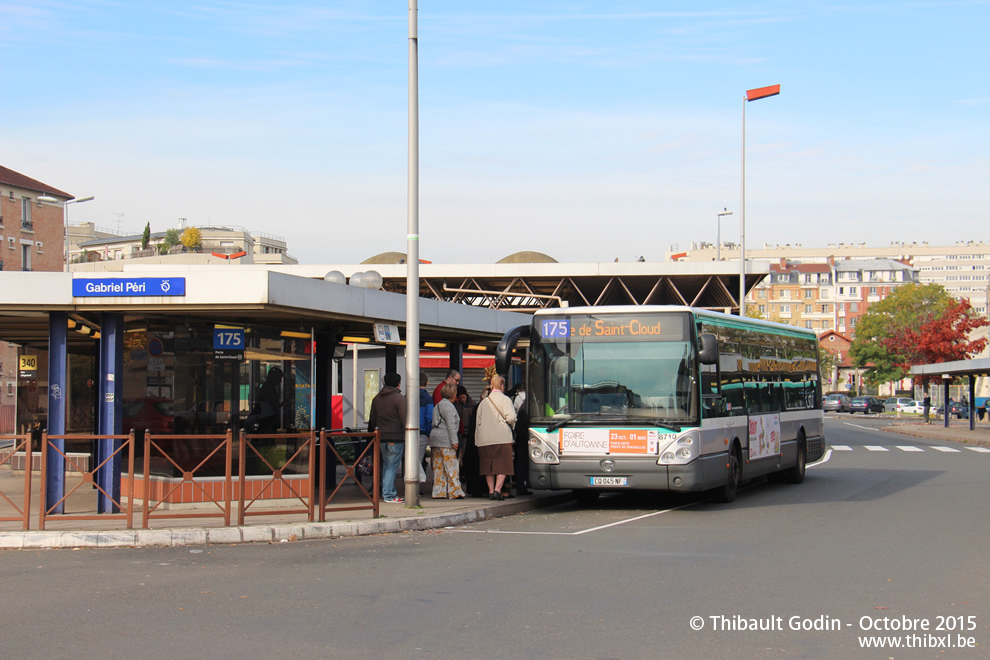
(282, 533)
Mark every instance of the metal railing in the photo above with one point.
(199, 469)
(155, 445)
(249, 447)
(353, 439)
(18, 443)
(88, 477)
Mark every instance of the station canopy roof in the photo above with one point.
(239, 295)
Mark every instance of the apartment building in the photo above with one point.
(89, 243)
(827, 296)
(962, 268)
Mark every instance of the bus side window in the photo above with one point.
(709, 380)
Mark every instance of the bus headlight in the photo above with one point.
(541, 451)
(680, 451)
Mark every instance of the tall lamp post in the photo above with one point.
(751, 95)
(412, 431)
(65, 213)
(718, 244)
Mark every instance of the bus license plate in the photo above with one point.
(609, 481)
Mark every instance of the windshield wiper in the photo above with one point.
(613, 417)
(564, 422)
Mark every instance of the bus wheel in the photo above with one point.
(586, 496)
(795, 474)
(727, 493)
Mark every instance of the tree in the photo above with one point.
(916, 324)
(753, 312)
(192, 238)
(828, 359)
(146, 236)
(171, 239)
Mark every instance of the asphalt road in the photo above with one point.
(887, 527)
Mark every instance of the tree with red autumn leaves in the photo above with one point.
(916, 324)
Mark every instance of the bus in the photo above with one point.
(666, 398)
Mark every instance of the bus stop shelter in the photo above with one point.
(212, 333)
(948, 371)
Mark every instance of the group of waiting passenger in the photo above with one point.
(480, 437)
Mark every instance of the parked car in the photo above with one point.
(836, 403)
(895, 402)
(960, 410)
(914, 407)
(866, 405)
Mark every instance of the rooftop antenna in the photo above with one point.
(119, 216)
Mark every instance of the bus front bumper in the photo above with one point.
(637, 473)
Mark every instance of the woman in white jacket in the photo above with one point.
(493, 436)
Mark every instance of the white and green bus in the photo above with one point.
(667, 398)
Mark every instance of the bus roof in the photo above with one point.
(717, 318)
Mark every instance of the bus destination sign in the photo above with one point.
(625, 327)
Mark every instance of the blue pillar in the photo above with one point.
(110, 393)
(57, 359)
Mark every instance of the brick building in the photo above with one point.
(32, 237)
(827, 296)
(32, 232)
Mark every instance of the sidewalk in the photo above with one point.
(958, 431)
(275, 528)
(285, 528)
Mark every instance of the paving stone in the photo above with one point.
(154, 537)
(345, 529)
(288, 533)
(80, 539)
(10, 540)
(117, 539)
(224, 535)
(42, 539)
(257, 534)
(182, 537)
(317, 530)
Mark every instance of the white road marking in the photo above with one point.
(909, 448)
(875, 448)
(982, 450)
(842, 448)
(823, 459)
(865, 428)
(583, 531)
(946, 449)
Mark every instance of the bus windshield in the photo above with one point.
(628, 380)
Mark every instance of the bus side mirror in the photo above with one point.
(709, 350)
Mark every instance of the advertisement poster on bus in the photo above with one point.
(608, 441)
(764, 436)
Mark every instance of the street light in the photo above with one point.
(751, 95)
(65, 213)
(718, 244)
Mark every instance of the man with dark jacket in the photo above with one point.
(388, 415)
(425, 422)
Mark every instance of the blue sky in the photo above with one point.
(588, 131)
